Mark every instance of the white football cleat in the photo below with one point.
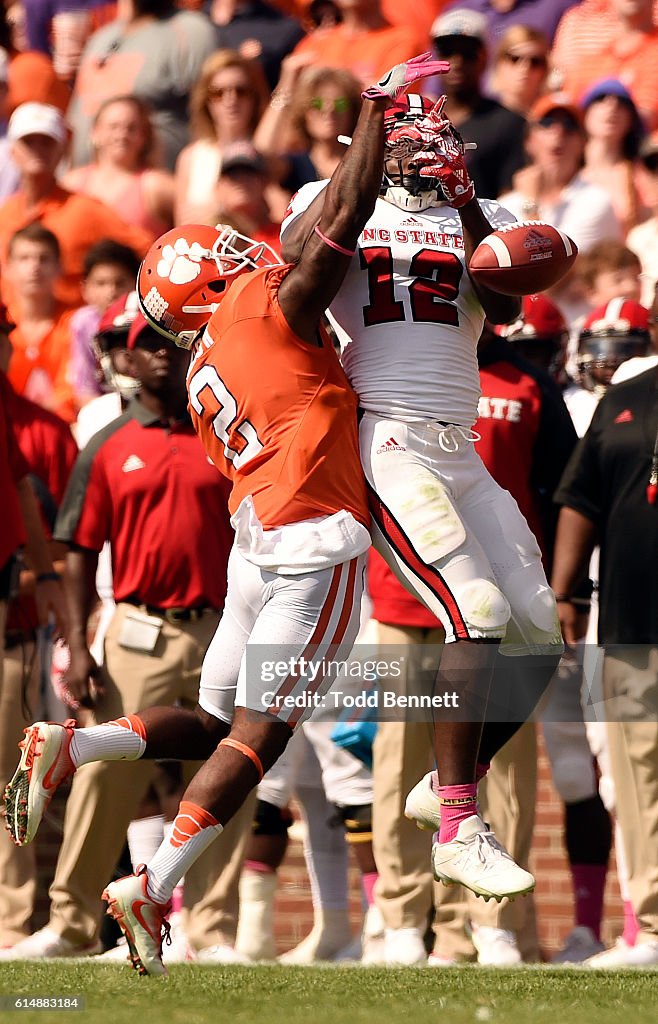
(477, 860)
(642, 954)
(580, 944)
(423, 805)
(495, 947)
(142, 921)
(44, 765)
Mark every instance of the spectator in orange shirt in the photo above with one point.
(42, 338)
(38, 135)
(629, 53)
(364, 42)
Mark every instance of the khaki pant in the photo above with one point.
(405, 891)
(18, 667)
(630, 676)
(105, 795)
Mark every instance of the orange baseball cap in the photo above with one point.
(555, 101)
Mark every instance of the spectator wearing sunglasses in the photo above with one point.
(225, 106)
(520, 68)
(459, 37)
(310, 109)
(643, 239)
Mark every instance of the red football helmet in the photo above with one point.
(185, 273)
(403, 186)
(610, 335)
(111, 335)
(540, 334)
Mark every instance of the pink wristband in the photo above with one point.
(334, 245)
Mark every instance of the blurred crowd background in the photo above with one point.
(121, 120)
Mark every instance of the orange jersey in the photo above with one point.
(276, 415)
(40, 371)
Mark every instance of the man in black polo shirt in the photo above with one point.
(499, 133)
(144, 484)
(609, 495)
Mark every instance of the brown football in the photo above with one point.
(523, 258)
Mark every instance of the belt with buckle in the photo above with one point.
(172, 614)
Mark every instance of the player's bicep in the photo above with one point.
(296, 231)
(311, 285)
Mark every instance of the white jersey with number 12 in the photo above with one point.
(407, 316)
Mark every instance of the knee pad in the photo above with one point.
(484, 607)
(573, 773)
(542, 611)
(270, 820)
(357, 821)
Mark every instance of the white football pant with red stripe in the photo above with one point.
(279, 639)
(454, 537)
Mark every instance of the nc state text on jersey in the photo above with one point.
(420, 237)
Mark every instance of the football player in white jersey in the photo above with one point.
(409, 317)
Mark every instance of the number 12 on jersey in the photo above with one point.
(208, 394)
(432, 292)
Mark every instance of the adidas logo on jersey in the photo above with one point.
(411, 222)
(390, 446)
(624, 417)
(132, 463)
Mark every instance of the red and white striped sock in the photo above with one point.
(122, 740)
(193, 831)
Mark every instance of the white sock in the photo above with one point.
(145, 836)
(325, 851)
(194, 829)
(108, 742)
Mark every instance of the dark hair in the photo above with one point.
(36, 233)
(160, 8)
(109, 251)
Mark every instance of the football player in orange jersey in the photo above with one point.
(278, 417)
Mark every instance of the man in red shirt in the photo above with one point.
(135, 481)
(20, 521)
(47, 445)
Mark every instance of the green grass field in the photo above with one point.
(286, 995)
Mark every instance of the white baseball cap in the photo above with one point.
(36, 119)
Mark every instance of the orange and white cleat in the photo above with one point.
(141, 919)
(44, 765)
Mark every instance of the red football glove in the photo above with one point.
(446, 162)
(404, 75)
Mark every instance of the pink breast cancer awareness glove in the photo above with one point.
(402, 76)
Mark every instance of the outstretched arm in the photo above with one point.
(349, 200)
